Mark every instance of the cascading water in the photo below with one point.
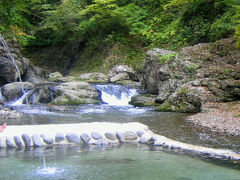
(21, 100)
(6, 49)
(116, 95)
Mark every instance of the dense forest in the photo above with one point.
(131, 24)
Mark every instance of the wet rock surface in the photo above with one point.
(185, 80)
(14, 136)
(13, 91)
(74, 93)
(13, 65)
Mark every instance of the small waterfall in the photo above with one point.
(116, 95)
(21, 100)
(6, 49)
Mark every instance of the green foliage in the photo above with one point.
(237, 20)
(127, 25)
(189, 22)
(168, 57)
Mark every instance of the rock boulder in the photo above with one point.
(74, 93)
(13, 91)
(122, 72)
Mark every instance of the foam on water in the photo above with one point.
(116, 95)
(21, 99)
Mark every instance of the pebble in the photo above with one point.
(130, 135)
(140, 133)
(96, 135)
(9, 142)
(37, 140)
(73, 138)
(102, 142)
(120, 137)
(47, 140)
(27, 140)
(110, 136)
(18, 141)
(59, 137)
(85, 138)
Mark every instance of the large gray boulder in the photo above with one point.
(58, 77)
(7, 70)
(13, 91)
(184, 99)
(157, 69)
(122, 72)
(41, 94)
(8, 62)
(74, 93)
(93, 77)
(35, 75)
(13, 65)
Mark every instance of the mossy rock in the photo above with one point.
(142, 100)
(64, 100)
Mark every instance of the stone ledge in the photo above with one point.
(107, 134)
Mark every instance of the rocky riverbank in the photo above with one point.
(184, 81)
(220, 117)
(203, 79)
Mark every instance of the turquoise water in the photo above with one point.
(126, 162)
(117, 163)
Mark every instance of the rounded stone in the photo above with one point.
(102, 142)
(146, 139)
(130, 135)
(85, 138)
(9, 142)
(73, 138)
(37, 140)
(26, 139)
(110, 136)
(96, 135)
(59, 137)
(140, 133)
(18, 141)
(47, 140)
(120, 137)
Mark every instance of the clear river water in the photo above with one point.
(118, 162)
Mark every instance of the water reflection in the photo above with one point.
(120, 162)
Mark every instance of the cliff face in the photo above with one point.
(10, 57)
(195, 75)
